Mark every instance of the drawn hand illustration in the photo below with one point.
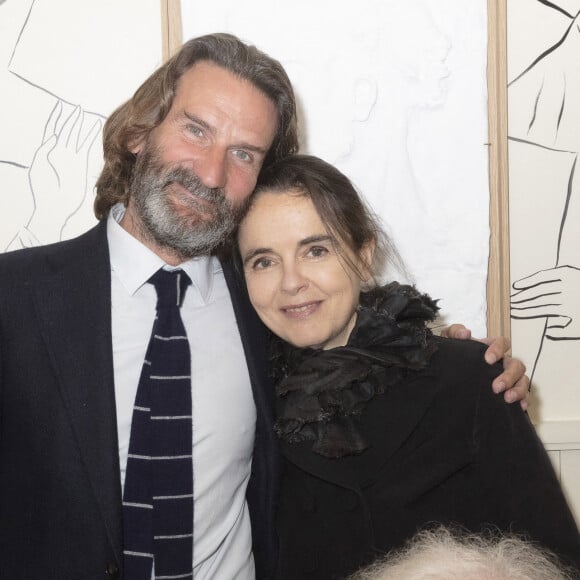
(552, 294)
(59, 170)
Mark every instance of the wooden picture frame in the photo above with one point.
(498, 279)
(171, 27)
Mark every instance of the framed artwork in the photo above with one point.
(534, 289)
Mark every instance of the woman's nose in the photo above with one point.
(293, 280)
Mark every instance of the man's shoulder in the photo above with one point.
(23, 260)
(89, 237)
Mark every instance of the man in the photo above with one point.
(180, 159)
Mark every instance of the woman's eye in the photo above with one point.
(318, 251)
(261, 264)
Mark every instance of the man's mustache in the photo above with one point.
(192, 183)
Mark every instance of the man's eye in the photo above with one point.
(242, 155)
(195, 130)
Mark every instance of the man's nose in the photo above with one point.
(211, 168)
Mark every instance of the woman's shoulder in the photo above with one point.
(453, 347)
(460, 368)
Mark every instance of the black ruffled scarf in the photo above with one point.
(321, 393)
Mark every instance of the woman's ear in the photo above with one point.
(366, 260)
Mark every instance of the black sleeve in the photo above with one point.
(518, 475)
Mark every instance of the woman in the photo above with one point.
(383, 426)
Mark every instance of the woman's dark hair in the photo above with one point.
(342, 210)
(151, 103)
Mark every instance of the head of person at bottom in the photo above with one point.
(308, 244)
(445, 554)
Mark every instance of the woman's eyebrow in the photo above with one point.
(315, 238)
(253, 253)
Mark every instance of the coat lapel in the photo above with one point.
(73, 305)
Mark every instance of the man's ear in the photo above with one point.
(136, 145)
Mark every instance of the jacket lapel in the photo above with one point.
(254, 339)
(266, 462)
(73, 305)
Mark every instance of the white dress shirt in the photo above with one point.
(224, 414)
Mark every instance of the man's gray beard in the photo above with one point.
(191, 235)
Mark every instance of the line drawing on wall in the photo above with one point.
(60, 82)
(56, 177)
(544, 145)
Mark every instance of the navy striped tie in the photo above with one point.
(158, 494)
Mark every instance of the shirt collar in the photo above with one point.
(134, 263)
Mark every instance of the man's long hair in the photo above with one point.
(133, 121)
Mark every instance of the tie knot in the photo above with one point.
(170, 286)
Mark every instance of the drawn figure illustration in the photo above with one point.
(54, 177)
(57, 177)
(544, 116)
(50, 137)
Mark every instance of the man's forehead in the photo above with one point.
(206, 72)
(220, 99)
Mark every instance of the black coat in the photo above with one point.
(60, 491)
(443, 448)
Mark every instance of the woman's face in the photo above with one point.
(299, 285)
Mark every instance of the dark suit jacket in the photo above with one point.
(60, 492)
(443, 448)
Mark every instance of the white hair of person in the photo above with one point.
(443, 554)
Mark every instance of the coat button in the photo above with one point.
(112, 570)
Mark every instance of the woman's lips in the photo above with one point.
(302, 310)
